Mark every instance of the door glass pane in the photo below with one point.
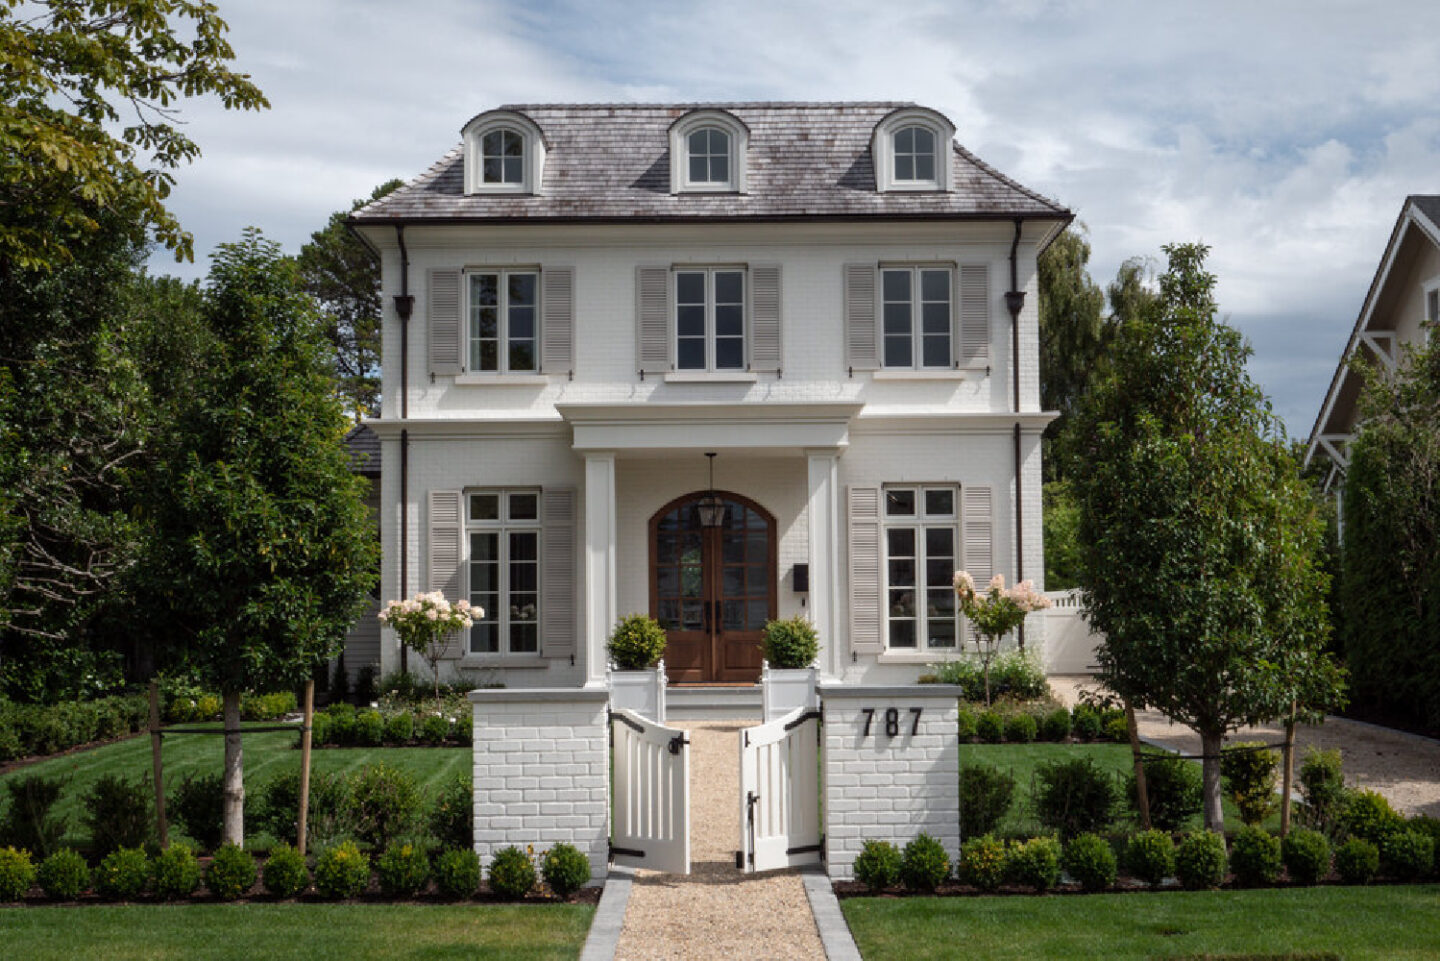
(669, 616)
(757, 611)
(692, 616)
(734, 580)
(732, 548)
(667, 581)
(734, 616)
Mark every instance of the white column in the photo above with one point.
(599, 561)
(824, 536)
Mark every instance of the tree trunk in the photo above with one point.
(234, 820)
(1210, 745)
(1142, 796)
(1288, 780)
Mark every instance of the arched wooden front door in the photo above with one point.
(712, 588)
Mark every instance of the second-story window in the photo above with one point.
(503, 319)
(710, 319)
(502, 157)
(916, 306)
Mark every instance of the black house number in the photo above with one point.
(892, 721)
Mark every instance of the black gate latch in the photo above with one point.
(676, 743)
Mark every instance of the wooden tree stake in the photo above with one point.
(1288, 779)
(162, 827)
(1142, 797)
(305, 765)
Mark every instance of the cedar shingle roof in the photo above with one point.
(611, 162)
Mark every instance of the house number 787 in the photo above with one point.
(892, 721)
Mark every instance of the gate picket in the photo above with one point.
(780, 792)
(651, 820)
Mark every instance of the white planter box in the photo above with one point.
(783, 690)
(640, 691)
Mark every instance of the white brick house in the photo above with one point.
(835, 300)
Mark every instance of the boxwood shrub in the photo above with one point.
(198, 806)
(457, 873)
(122, 874)
(983, 863)
(924, 865)
(17, 874)
(1306, 856)
(285, 874)
(565, 869)
(341, 871)
(231, 873)
(63, 875)
(990, 727)
(1407, 855)
(878, 865)
(1172, 788)
(1056, 725)
(1200, 860)
(1150, 856)
(986, 793)
(1035, 863)
(119, 813)
(1085, 723)
(403, 869)
(1357, 861)
(1021, 728)
(1090, 860)
(1255, 857)
(1074, 797)
(177, 873)
(512, 873)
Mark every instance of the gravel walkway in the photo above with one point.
(1403, 767)
(717, 912)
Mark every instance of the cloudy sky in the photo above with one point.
(1283, 134)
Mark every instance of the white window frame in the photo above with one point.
(1429, 309)
(502, 274)
(710, 332)
(917, 303)
(532, 145)
(919, 522)
(502, 526)
(882, 151)
(726, 123)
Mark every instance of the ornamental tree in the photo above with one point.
(425, 622)
(995, 613)
(1200, 543)
(262, 551)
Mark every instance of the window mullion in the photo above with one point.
(503, 583)
(710, 320)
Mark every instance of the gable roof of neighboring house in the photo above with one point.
(363, 445)
(1418, 223)
(611, 162)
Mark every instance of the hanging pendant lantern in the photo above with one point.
(711, 507)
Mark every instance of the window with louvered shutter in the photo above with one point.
(445, 329)
(977, 539)
(558, 610)
(861, 337)
(974, 315)
(652, 318)
(444, 550)
(765, 317)
(865, 620)
(557, 323)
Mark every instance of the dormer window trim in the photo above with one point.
(884, 153)
(532, 157)
(738, 137)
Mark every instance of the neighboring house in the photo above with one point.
(362, 644)
(585, 302)
(1400, 308)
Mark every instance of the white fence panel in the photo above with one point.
(1069, 642)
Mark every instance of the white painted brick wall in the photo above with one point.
(886, 788)
(541, 772)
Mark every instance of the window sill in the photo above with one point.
(936, 374)
(501, 661)
(917, 657)
(502, 380)
(711, 377)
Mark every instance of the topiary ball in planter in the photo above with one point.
(636, 642)
(512, 874)
(1200, 860)
(565, 869)
(877, 866)
(924, 864)
(791, 644)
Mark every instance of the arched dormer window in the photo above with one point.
(708, 152)
(504, 154)
(912, 151)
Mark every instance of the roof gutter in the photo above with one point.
(404, 307)
(1015, 302)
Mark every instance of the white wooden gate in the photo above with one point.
(651, 821)
(780, 792)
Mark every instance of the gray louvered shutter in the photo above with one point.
(443, 299)
(977, 539)
(765, 318)
(866, 634)
(557, 599)
(974, 316)
(652, 318)
(557, 321)
(445, 546)
(862, 343)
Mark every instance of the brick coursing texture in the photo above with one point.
(889, 788)
(542, 772)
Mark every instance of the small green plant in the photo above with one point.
(1306, 856)
(29, 823)
(983, 863)
(1035, 863)
(1117, 729)
(512, 873)
(119, 813)
(791, 643)
(285, 874)
(457, 873)
(924, 864)
(1021, 729)
(63, 875)
(636, 642)
(966, 722)
(1357, 861)
(384, 804)
(1255, 857)
(990, 727)
(1367, 815)
(1090, 860)
(877, 866)
(1085, 723)
(986, 794)
(565, 869)
(369, 728)
(177, 873)
(341, 871)
(231, 873)
(198, 805)
(1151, 856)
(1074, 797)
(1249, 774)
(1200, 860)
(404, 869)
(1407, 855)
(17, 874)
(452, 815)
(122, 874)
(1056, 725)
(1172, 788)
(1322, 784)
(434, 729)
(400, 728)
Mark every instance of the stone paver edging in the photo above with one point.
(609, 918)
(835, 934)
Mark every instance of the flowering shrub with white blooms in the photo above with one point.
(996, 612)
(423, 623)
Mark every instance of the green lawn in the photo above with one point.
(303, 932)
(1396, 923)
(266, 755)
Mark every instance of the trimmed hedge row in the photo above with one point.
(1022, 723)
(36, 729)
(341, 725)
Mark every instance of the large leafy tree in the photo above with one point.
(342, 274)
(1390, 582)
(1199, 541)
(88, 119)
(262, 549)
(1073, 334)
